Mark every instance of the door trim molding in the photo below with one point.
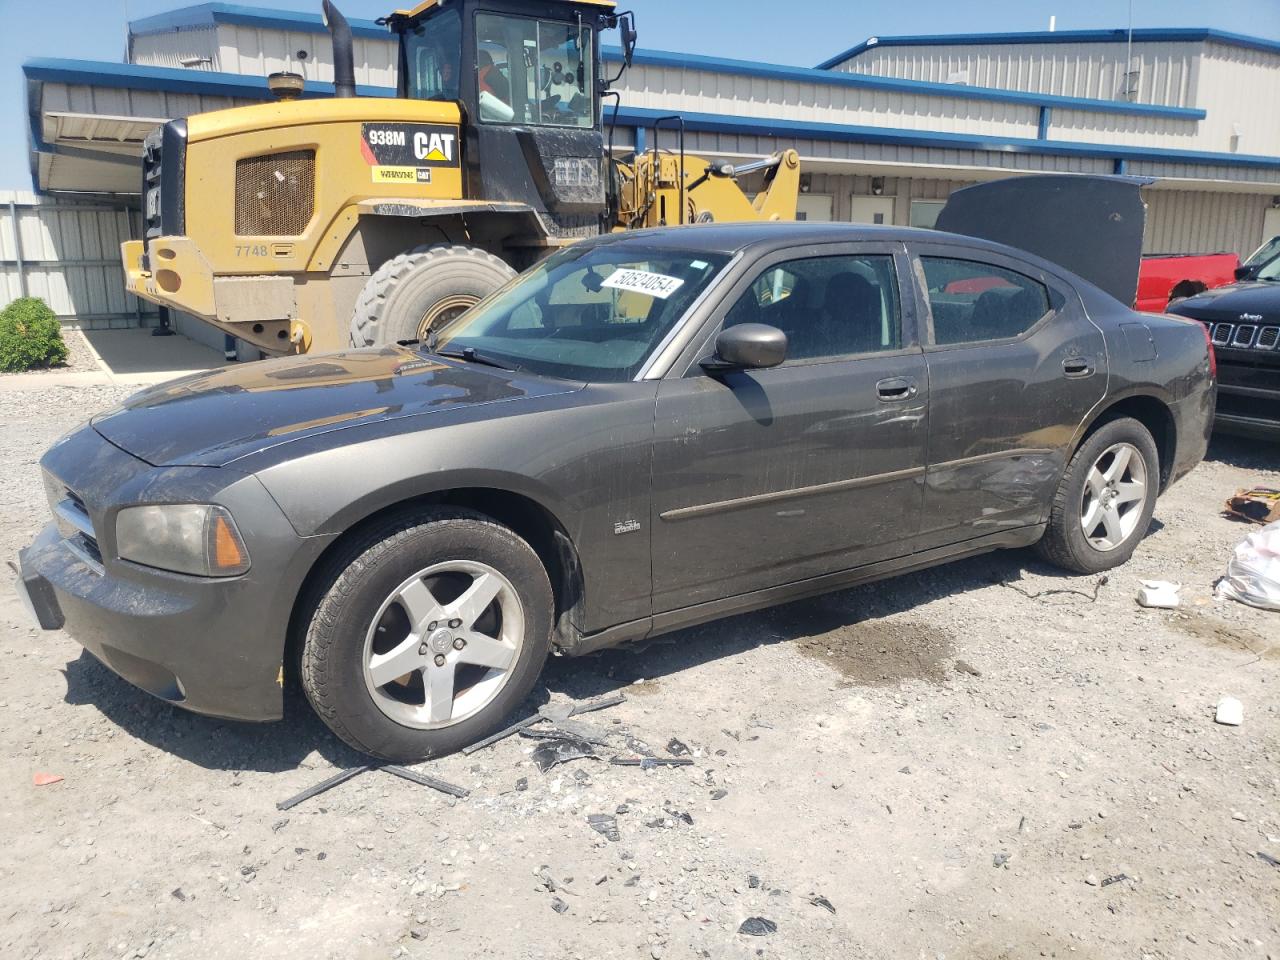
(994, 455)
(777, 496)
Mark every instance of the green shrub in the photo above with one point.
(30, 335)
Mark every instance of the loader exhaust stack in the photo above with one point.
(344, 61)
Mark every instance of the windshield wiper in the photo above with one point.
(471, 355)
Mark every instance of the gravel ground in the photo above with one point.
(80, 358)
(978, 761)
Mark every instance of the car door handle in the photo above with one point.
(1076, 368)
(896, 388)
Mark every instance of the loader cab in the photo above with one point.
(526, 75)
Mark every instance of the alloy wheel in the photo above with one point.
(443, 644)
(1115, 491)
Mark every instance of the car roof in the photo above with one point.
(730, 238)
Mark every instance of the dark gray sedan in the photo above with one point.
(644, 432)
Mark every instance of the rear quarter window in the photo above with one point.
(972, 301)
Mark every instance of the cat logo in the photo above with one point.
(434, 146)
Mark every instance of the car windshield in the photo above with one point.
(590, 313)
(1268, 251)
(1271, 271)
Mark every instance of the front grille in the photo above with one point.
(76, 527)
(1244, 336)
(275, 194)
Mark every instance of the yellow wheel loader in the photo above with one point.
(315, 224)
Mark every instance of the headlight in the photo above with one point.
(184, 537)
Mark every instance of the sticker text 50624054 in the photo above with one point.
(642, 281)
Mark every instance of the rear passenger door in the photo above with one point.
(1015, 366)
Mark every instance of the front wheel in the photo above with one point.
(432, 629)
(1105, 500)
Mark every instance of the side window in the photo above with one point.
(973, 301)
(827, 306)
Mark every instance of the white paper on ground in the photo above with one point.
(1159, 593)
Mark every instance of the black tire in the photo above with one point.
(408, 288)
(1064, 543)
(354, 585)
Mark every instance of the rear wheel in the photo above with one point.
(430, 632)
(1105, 501)
(417, 292)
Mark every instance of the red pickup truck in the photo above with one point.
(1167, 276)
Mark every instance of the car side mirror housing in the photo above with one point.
(1244, 273)
(747, 346)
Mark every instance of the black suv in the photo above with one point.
(1244, 324)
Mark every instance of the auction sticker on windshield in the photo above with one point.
(642, 281)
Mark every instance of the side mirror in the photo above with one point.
(747, 346)
(1244, 273)
(629, 37)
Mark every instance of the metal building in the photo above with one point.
(886, 129)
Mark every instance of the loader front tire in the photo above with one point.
(421, 290)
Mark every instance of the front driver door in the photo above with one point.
(767, 477)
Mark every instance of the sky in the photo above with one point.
(810, 31)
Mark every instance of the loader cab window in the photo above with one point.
(534, 71)
(433, 57)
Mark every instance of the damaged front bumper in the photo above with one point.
(211, 645)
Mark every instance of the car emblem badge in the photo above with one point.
(1251, 317)
(441, 641)
(626, 526)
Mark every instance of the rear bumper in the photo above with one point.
(1193, 418)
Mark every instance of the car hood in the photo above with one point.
(214, 418)
(1259, 299)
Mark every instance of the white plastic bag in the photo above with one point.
(1253, 575)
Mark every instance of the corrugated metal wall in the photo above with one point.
(1167, 73)
(1181, 221)
(1178, 221)
(260, 51)
(69, 252)
(1240, 90)
(191, 48)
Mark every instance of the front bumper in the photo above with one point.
(213, 646)
(171, 272)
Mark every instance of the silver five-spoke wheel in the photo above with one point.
(1115, 492)
(444, 644)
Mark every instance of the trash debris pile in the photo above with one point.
(1258, 505)
(1253, 573)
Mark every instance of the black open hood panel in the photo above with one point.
(1090, 225)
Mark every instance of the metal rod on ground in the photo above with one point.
(341, 776)
(426, 781)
